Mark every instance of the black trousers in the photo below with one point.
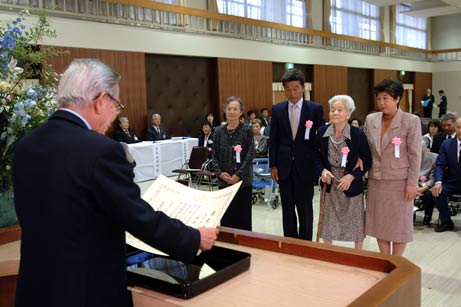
(427, 112)
(428, 201)
(442, 202)
(297, 194)
(238, 214)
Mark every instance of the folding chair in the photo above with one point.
(193, 166)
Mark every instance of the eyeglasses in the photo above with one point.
(119, 106)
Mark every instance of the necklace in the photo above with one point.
(334, 141)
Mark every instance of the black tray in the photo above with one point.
(170, 276)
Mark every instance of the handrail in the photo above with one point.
(163, 16)
(172, 8)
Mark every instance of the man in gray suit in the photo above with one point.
(426, 181)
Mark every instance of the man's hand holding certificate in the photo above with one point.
(194, 208)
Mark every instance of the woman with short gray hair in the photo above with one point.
(233, 162)
(340, 145)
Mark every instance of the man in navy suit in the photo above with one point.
(447, 177)
(75, 199)
(291, 154)
(156, 132)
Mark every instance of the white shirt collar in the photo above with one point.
(298, 104)
(79, 116)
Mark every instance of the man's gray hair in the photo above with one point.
(448, 116)
(156, 115)
(84, 80)
(348, 101)
(122, 119)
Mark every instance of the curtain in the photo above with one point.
(428, 34)
(289, 12)
(381, 21)
(355, 18)
(309, 14)
(410, 30)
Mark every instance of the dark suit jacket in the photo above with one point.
(153, 135)
(121, 136)
(209, 145)
(282, 148)
(358, 146)
(443, 103)
(438, 140)
(431, 101)
(447, 169)
(75, 199)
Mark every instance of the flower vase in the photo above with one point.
(7, 210)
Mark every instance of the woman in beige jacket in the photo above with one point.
(394, 137)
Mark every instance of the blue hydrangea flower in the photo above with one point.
(31, 93)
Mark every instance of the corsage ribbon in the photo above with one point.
(396, 142)
(345, 151)
(238, 149)
(309, 124)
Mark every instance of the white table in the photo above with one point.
(162, 157)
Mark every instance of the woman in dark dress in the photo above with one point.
(233, 162)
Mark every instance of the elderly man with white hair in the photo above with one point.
(75, 199)
(156, 132)
(340, 146)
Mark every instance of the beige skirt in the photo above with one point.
(388, 216)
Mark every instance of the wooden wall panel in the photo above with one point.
(328, 81)
(423, 81)
(248, 79)
(360, 89)
(131, 66)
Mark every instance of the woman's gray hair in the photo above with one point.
(84, 80)
(233, 98)
(348, 101)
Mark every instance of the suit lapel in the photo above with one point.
(286, 118)
(302, 119)
(375, 132)
(392, 131)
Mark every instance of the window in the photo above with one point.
(290, 12)
(355, 18)
(409, 30)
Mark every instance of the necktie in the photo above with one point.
(294, 120)
(127, 132)
(157, 129)
(459, 155)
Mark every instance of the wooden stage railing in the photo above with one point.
(147, 13)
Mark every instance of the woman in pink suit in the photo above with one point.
(394, 137)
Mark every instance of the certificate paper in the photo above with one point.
(194, 208)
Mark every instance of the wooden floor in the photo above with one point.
(438, 254)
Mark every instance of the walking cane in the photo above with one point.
(322, 206)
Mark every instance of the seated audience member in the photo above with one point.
(260, 140)
(124, 133)
(344, 213)
(433, 127)
(448, 126)
(250, 116)
(426, 181)
(241, 119)
(209, 118)
(264, 117)
(355, 122)
(156, 132)
(447, 177)
(205, 139)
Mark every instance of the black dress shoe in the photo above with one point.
(427, 220)
(444, 227)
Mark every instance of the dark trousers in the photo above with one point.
(296, 193)
(238, 214)
(442, 112)
(428, 202)
(442, 202)
(427, 112)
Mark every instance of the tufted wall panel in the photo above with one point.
(181, 90)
